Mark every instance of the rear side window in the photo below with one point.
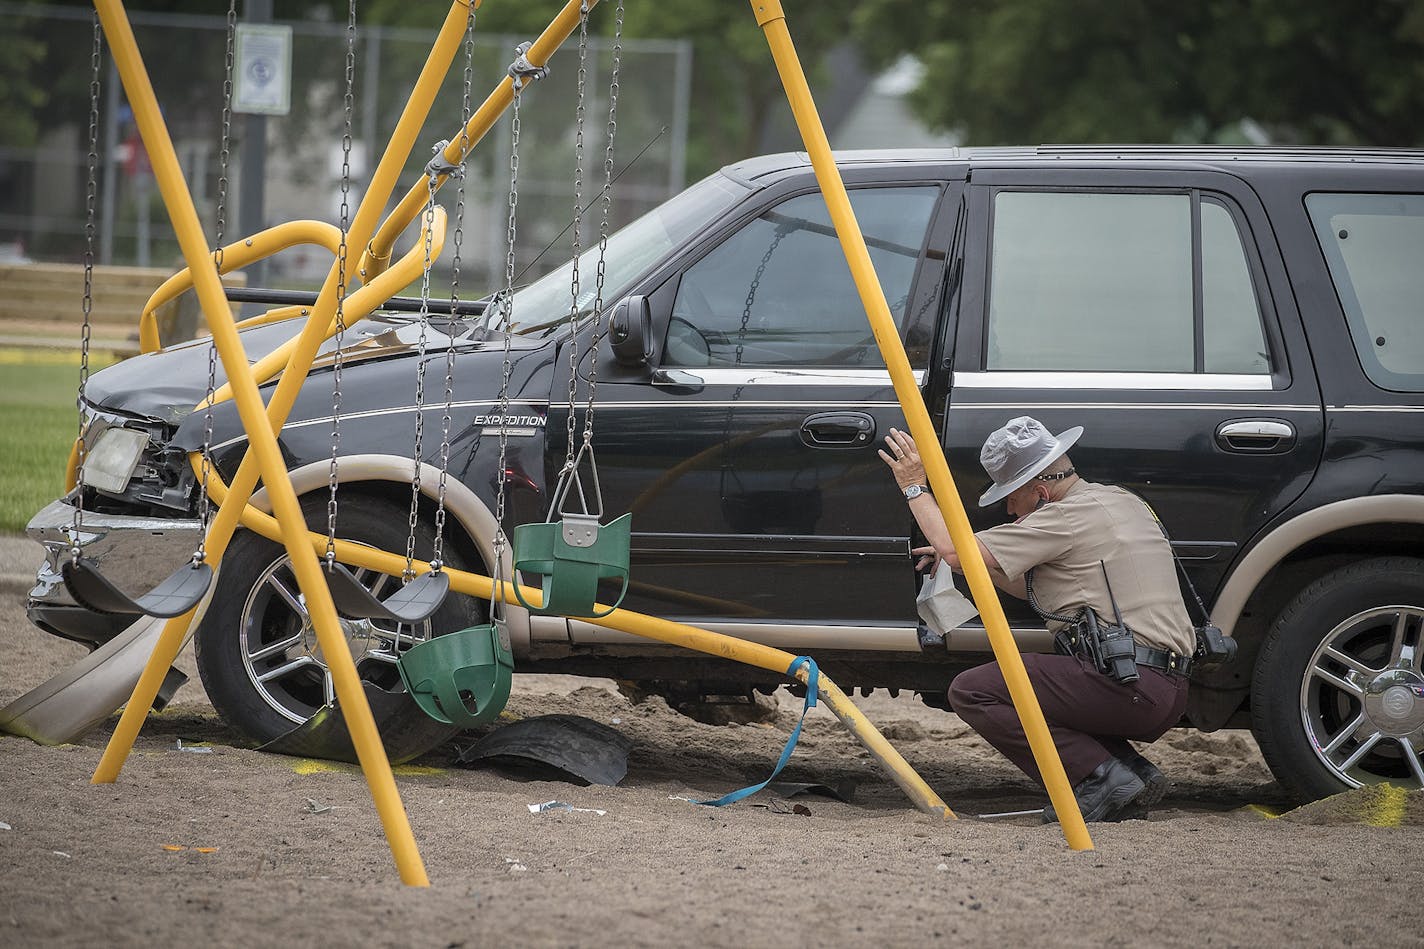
(1374, 245)
(1121, 282)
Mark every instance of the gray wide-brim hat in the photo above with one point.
(1014, 454)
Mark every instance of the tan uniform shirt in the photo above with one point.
(1064, 541)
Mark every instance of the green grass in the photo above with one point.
(37, 427)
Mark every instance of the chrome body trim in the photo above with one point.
(801, 637)
(796, 376)
(1275, 546)
(1234, 407)
(1143, 381)
(433, 406)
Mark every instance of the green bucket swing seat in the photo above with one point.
(571, 556)
(460, 678)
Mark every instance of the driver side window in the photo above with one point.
(779, 292)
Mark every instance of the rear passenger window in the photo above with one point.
(779, 291)
(1108, 282)
(1374, 244)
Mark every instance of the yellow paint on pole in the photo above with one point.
(262, 440)
(771, 18)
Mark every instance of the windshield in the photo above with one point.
(543, 306)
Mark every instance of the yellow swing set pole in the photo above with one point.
(262, 440)
(771, 18)
(225, 522)
(378, 253)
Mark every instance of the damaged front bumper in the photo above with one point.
(134, 553)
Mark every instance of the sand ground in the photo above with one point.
(297, 857)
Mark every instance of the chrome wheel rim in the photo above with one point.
(281, 655)
(1362, 698)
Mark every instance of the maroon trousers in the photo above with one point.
(1089, 715)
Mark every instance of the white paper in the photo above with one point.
(940, 605)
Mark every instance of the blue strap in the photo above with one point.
(812, 676)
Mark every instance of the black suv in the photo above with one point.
(1240, 332)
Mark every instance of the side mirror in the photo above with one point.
(630, 331)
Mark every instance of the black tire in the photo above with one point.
(248, 613)
(1304, 699)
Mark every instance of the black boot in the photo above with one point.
(1103, 794)
(1156, 783)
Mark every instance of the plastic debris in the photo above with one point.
(5, 826)
(174, 848)
(193, 749)
(61, 853)
(514, 866)
(315, 808)
(562, 806)
(558, 747)
(178, 848)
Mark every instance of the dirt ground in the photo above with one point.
(296, 855)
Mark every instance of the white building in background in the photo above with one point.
(881, 116)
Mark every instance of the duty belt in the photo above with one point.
(1163, 660)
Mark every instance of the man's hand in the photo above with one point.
(930, 558)
(903, 459)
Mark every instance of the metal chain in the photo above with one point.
(91, 192)
(604, 215)
(224, 156)
(428, 239)
(348, 103)
(577, 221)
(437, 556)
(496, 601)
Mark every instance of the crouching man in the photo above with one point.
(1092, 560)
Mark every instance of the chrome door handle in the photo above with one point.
(1255, 435)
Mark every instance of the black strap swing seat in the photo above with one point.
(415, 602)
(176, 595)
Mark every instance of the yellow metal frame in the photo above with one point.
(380, 281)
(772, 20)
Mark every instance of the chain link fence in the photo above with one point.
(42, 185)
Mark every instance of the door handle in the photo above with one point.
(1256, 435)
(838, 430)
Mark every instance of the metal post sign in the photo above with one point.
(262, 77)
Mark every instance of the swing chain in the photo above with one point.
(438, 554)
(522, 70)
(575, 239)
(428, 239)
(348, 104)
(200, 555)
(91, 192)
(500, 541)
(605, 213)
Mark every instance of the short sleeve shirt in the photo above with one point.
(1067, 544)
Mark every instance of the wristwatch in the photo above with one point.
(915, 490)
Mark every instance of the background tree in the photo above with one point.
(1027, 71)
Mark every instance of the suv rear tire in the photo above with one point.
(1337, 695)
(251, 612)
